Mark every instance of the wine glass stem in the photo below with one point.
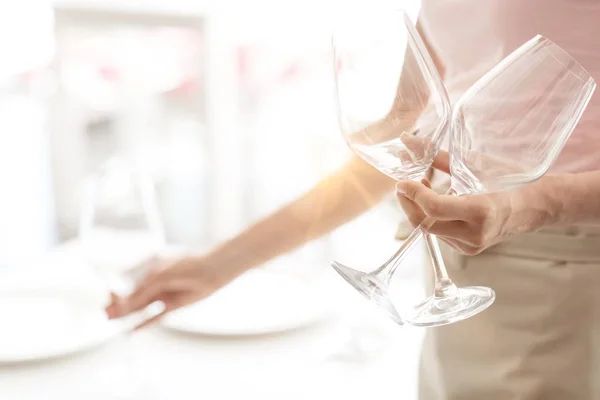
(385, 272)
(444, 287)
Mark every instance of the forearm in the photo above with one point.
(333, 202)
(577, 198)
(559, 200)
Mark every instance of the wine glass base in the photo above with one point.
(370, 287)
(464, 303)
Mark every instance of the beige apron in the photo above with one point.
(541, 337)
(539, 340)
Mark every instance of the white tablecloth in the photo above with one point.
(171, 365)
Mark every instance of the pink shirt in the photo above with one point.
(470, 36)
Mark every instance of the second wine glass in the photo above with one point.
(121, 232)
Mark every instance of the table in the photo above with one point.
(171, 365)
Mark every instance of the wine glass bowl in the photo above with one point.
(384, 81)
(507, 133)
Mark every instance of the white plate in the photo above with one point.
(45, 323)
(257, 303)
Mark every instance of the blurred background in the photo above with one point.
(229, 104)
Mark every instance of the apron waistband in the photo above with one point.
(575, 244)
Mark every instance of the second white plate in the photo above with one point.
(258, 302)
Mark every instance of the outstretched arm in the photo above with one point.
(335, 200)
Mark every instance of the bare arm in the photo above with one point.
(575, 199)
(334, 201)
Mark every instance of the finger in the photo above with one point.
(152, 280)
(426, 182)
(460, 246)
(463, 240)
(450, 242)
(119, 307)
(457, 230)
(440, 207)
(145, 296)
(171, 303)
(112, 309)
(442, 161)
(413, 213)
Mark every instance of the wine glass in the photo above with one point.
(392, 107)
(507, 130)
(121, 232)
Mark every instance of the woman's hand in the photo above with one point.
(175, 283)
(472, 223)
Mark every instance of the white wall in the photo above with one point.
(26, 208)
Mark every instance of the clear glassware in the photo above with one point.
(121, 232)
(507, 130)
(392, 107)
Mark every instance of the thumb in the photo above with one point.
(421, 194)
(433, 205)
